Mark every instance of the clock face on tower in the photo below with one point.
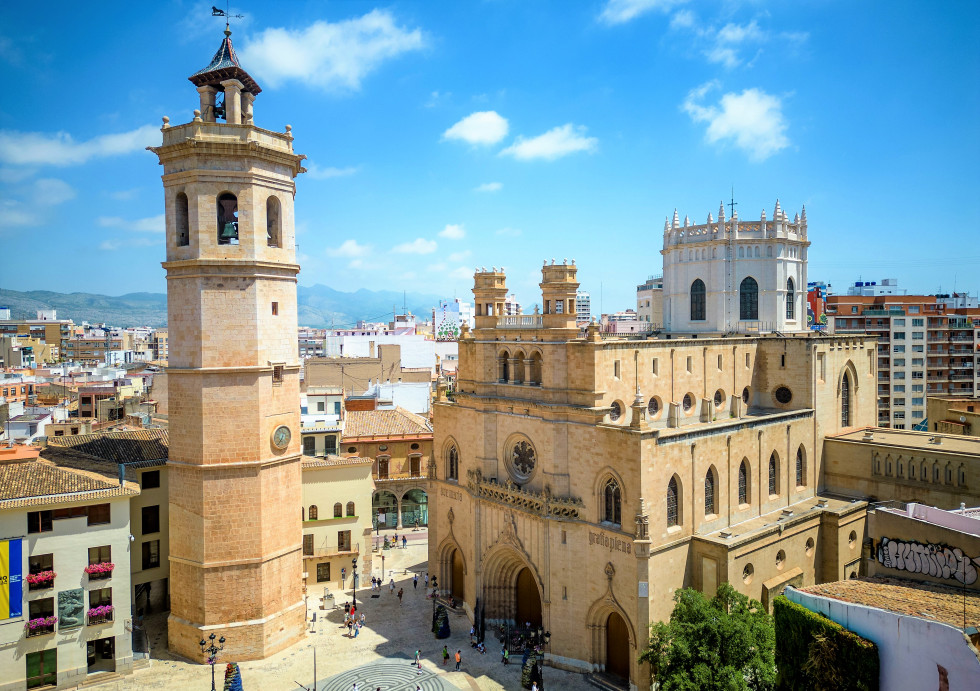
(281, 436)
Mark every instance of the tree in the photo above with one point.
(726, 643)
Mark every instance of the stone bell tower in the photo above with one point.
(234, 470)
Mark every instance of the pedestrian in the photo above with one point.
(396, 539)
(362, 619)
(504, 655)
(391, 585)
(355, 687)
(347, 608)
(353, 610)
(445, 655)
(459, 658)
(350, 625)
(534, 686)
(418, 662)
(357, 628)
(401, 591)
(426, 581)
(404, 542)
(415, 581)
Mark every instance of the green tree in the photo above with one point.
(726, 643)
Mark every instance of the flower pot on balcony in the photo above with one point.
(40, 580)
(100, 615)
(40, 626)
(100, 571)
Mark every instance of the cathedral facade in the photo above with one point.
(236, 564)
(581, 480)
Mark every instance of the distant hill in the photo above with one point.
(319, 306)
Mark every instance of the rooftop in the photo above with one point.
(384, 423)
(38, 482)
(224, 65)
(334, 461)
(909, 439)
(938, 603)
(120, 447)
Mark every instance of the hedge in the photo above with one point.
(815, 653)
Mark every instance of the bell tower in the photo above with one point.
(234, 470)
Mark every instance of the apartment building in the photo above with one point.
(925, 347)
(583, 307)
(47, 328)
(650, 301)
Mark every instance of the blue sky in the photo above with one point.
(447, 135)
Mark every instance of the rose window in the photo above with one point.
(523, 459)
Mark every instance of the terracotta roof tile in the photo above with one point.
(910, 598)
(30, 483)
(121, 447)
(334, 461)
(384, 423)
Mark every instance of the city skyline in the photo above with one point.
(441, 137)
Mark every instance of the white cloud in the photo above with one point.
(417, 246)
(349, 248)
(60, 149)
(453, 231)
(462, 273)
(484, 127)
(109, 245)
(153, 224)
(622, 11)
(31, 204)
(456, 257)
(509, 232)
(553, 144)
(330, 56)
(752, 120)
(356, 264)
(489, 187)
(124, 195)
(317, 173)
(728, 40)
(683, 19)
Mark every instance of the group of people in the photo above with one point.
(393, 542)
(352, 621)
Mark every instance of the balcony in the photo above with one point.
(935, 389)
(961, 377)
(331, 552)
(100, 619)
(520, 321)
(40, 626)
(41, 580)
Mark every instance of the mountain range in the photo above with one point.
(318, 305)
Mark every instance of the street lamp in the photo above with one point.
(354, 582)
(212, 652)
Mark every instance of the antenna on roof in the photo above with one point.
(732, 203)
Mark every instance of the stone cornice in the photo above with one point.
(541, 503)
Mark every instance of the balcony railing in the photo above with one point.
(520, 321)
(100, 619)
(42, 630)
(331, 552)
(399, 478)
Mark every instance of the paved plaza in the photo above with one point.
(382, 655)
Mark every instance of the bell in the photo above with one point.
(229, 231)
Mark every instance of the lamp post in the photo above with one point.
(211, 650)
(354, 581)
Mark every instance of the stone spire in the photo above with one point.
(677, 221)
(721, 212)
(710, 219)
(777, 213)
(687, 221)
(803, 216)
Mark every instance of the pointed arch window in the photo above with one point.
(773, 485)
(709, 492)
(452, 471)
(845, 401)
(743, 483)
(790, 299)
(698, 301)
(672, 504)
(612, 503)
(313, 512)
(748, 299)
(800, 468)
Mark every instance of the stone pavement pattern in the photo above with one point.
(389, 639)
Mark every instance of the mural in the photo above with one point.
(71, 606)
(938, 561)
(447, 321)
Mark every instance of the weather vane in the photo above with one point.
(226, 13)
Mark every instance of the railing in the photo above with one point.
(399, 478)
(331, 551)
(103, 576)
(520, 321)
(100, 619)
(40, 631)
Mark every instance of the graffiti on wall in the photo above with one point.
(939, 561)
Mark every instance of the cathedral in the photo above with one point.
(582, 479)
(236, 565)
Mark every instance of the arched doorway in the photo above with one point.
(617, 647)
(528, 599)
(415, 507)
(456, 582)
(384, 509)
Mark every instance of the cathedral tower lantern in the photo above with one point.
(558, 287)
(236, 564)
(489, 295)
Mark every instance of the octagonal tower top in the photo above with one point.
(225, 74)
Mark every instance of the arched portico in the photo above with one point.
(384, 506)
(512, 589)
(414, 507)
(614, 642)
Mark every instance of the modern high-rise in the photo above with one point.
(650, 302)
(236, 564)
(925, 347)
(583, 307)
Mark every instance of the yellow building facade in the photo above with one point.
(581, 480)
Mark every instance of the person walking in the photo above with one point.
(357, 628)
(418, 662)
(404, 542)
(426, 581)
(401, 591)
(415, 581)
(391, 585)
(505, 655)
(445, 655)
(459, 658)
(350, 627)
(534, 686)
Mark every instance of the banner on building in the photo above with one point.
(11, 579)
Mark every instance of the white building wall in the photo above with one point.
(909, 648)
(69, 542)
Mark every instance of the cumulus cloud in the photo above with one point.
(489, 187)
(453, 231)
(484, 127)
(622, 11)
(31, 204)
(152, 224)
(728, 41)
(555, 143)
(349, 248)
(416, 246)
(332, 56)
(317, 173)
(60, 149)
(752, 120)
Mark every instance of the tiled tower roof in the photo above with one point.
(224, 65)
